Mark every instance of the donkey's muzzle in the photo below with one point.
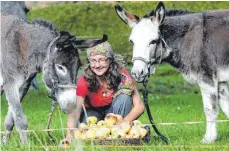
(67, 100)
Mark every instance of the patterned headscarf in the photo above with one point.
(105, 49)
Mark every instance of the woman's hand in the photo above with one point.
(65, 143)
(123, 121)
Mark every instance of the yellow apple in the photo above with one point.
(136, 122)
(65, 146)
(115, 128)
(134, 132)
(82, 126)
(128, 136)
(91, 120)
(110, 119)
(121, 134)
(101, 133)
(143, 132)
(119, 117)
(126, 127)
(77, 133)
(90, 134)
(83, 133)
(118, 134)
(101, 123)
(107, 129)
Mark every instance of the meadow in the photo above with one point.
(171, 99)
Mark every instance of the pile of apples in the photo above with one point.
(107, 128)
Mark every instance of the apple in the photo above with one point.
(91, 120)
(77, 133)
(115, 128)
(111, 119)
(83, 133)
(119, 117)
(143, 132)
(90, 134)
(134, 132)
(101, 123)
(82, 126)
(65, 146)
(107, 129)
(136, 122)
(126, 127)
(118, 134)
(101, 133)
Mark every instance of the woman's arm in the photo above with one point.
(73, 118)
(138, 107)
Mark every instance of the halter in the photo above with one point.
(56, 85)
(145, 91)
(153, 60)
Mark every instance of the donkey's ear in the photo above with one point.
(126, 17)
(160, 12)
(81, 44)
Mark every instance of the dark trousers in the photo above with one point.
(121, 105)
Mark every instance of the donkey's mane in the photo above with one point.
(178, 12)
(44, 23)
(171, 12)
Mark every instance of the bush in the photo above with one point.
(94, 19)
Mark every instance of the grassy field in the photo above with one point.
(171, 100)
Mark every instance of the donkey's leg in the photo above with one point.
(24, 91)
(211, 110)
(9, 124)
(224, 98)
(20, 121)
(25, 87)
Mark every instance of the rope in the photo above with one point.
(153, 146)
(170, 123)
(45, 147)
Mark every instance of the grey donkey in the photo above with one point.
(28, 48)
(18, 8)
(195, 43)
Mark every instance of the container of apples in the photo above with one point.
(107, 131)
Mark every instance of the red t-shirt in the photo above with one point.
(98, 99)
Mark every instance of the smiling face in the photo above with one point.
(99, 64)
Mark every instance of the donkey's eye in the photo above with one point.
(60, 69)
(152, 42)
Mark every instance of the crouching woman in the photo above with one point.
(105, 87)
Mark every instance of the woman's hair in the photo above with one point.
(113, 76)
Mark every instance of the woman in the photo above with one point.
(105, 87)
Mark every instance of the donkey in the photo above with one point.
(28, 48)
(196, 43)
(17, 8)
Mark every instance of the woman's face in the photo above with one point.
(99, 64)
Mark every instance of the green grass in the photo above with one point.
(171, 100)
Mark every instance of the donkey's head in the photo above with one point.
(148, 46)
(63, 64)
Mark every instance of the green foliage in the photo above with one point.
(94, 19)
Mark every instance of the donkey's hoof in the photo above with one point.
(4, 139)
(208, 140)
